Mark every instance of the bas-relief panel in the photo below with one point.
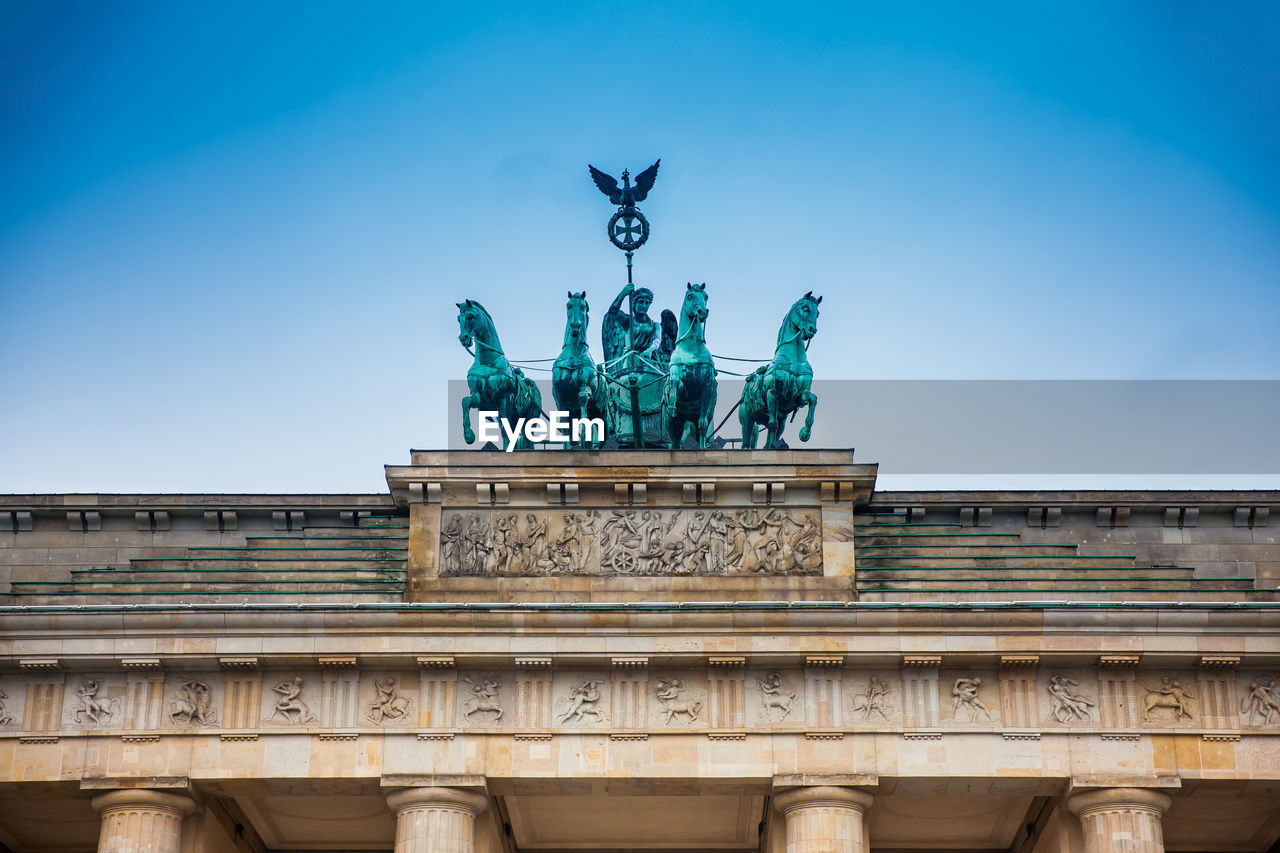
(291, 699)
(94, 701)
(486, 698)
(969, 698)
(389, 699)
(13, 700)
(194, 701)
(873, 698)
(581, 699)
(1066, 698)
(1259, 694)
(774, 697)
(631, 541)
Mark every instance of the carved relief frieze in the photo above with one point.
(638, 542)
(6, 716)
(678, 702)
(972, 698)
(92, 704)
(483, 702)
(583, 703)
(193, 705)
(287, 703)
(1260, 699)
(873, 701)
(1067, 701)
(1171, 701)
(389, 705)
(778, 699)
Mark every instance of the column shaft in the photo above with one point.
(141, 821)
(824, 819)
(436, 820)
(1121, 820)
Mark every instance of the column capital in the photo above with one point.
(125, 799)
(459, 799)
(1102, 800)
(818, 796)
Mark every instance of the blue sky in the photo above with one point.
(232, 234)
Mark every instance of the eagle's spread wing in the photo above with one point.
(608, 184)
(644, 182)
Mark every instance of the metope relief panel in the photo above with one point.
(94, 702)
(389, 699)
(970, 698)
(291, 700)
(485, 699)
(1259, 694)
(1167, 698)
(775, 696)
(581, 700)
(1067, 697)
(677, 700)
(194, 701)
(13, 698)
(873, 698)
(639, 542)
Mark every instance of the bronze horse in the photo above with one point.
(689, 395)
(576, 384)
(781, 387)
(493, 383)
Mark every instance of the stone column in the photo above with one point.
(823, 819)
(436, 820)
(141, 821)
(1121, 820)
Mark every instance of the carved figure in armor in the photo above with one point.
(1068, 705)
(97, 710)
(196, 706)
(965, 695)
(668, 692)
(872, 699)
(389, 704)
(1263, 700)
(1171, 695)
(290, 704)
(484, 698)
(5, 717)
(774, 695)
(581, 702)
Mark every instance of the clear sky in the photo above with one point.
(232, 234)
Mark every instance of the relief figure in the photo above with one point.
(1068, 705)
(290, 704)
(1263, 700)
(775, 695)
(98, 710)
(1170, 695)
(872, 699)
(5, 717)
(668, 692)
(581, 702)
(195, 707)
(388, 704)
(484, 698)
(965, 695)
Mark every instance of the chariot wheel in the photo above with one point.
(624, 562)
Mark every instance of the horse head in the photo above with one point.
(467, 319)
(802, 319)
(578, 317)
(695, 302)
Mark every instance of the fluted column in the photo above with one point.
(823, 818)
(436, 820)
(1121, 820)
(141, 821)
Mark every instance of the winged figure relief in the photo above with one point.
(626, 195)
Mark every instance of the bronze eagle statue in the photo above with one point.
(626, 195)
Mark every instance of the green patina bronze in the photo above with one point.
(778, 389)
(657, 385)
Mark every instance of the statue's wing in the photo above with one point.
(670, 328)
(613, 337)
(608, 184)
(644, 182)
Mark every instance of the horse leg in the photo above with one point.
(468, 403)
(775, 421)
(807, 429)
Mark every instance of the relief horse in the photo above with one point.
(494, 385)
(575, 383)
(781, 387)
(689, 394)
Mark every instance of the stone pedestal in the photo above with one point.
(1121, 820)
(141, 821)
(824, 819)
(436, 820)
